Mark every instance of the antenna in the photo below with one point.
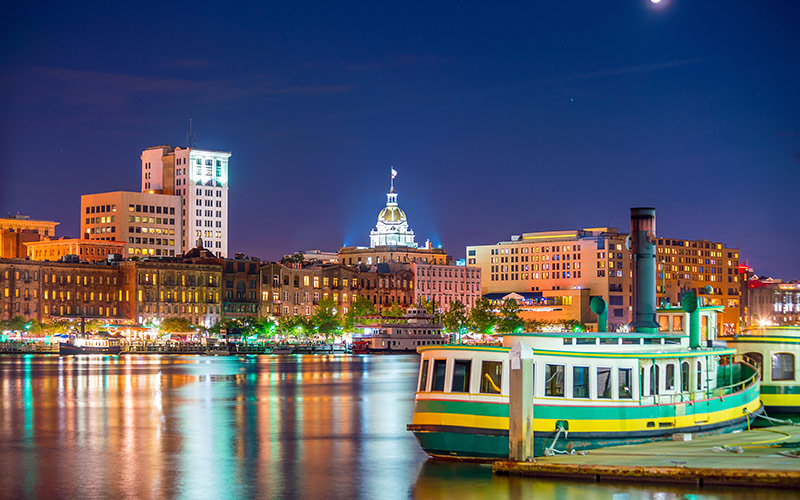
(191, 136)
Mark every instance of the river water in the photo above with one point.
(311, 426)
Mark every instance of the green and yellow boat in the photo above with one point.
(589, 390)
(775, 349)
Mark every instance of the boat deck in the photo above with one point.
(695, 461)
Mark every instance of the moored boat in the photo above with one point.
(588, 390)
(90, 345)
(775, 349)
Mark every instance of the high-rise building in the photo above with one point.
(200, 178)
(149, 224)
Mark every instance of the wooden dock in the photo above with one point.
(758, 457)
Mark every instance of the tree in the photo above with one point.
(359, 308)
(427, 304)
(325, 318)
(481, 318)
(509, 321)
(174, 325)
(393, 313)
(295, 258)
(456, 317)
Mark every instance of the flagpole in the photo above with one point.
(391, 174)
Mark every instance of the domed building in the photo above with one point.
(392, 240)
(392, 227)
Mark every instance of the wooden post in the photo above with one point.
(520, 403)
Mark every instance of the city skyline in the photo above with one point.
(498, 122)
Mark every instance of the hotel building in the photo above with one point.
(200, 178)
(711, 269)
(149, 224)
(533, 263)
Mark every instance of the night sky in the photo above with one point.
(499, 120)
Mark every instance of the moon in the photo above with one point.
(655, 1)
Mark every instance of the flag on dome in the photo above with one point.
(394, 173)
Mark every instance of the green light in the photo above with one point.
(577, 329)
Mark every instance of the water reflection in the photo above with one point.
(268, 427)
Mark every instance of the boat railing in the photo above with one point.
(717, 392)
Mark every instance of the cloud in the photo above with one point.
(98, 90)
(399, 61)
(189, 63)
(626, 70)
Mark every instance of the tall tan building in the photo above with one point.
(148, 224)
(696, 264)
(16, 230)
(533, 263)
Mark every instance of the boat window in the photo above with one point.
(663, 322)
(554, 380)
(669, 379)
(423, 376)
(567, 341)
(491, 377)
(782, 366)
(625, 383)
(685, 376)
(756, 359)
(643, 387)
(461, 372)
(439, 365)
(655, 378)
(609, 341)
(634, 340)
(580, 381)
(677, 323)
(699, 375)
(604, 383)
(672, 341)
(584, 340)
(652, 341)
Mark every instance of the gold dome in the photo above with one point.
(392, 215)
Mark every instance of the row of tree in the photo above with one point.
(326, 321)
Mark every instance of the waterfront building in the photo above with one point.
(48, 291)
(768, 301)
(241, 287)
(149, 224)
(386, 283)
(86, 250)
(16, 230)
(156, 289)
(445, 284)
(710, 269)
(296, 289)
(560, 263)
(200, 178)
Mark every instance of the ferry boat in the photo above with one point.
(90, 345)
(775, 349)
(589, 390)
(416, 330)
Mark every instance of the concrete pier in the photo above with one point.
(759, 457)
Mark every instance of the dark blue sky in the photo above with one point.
(500, 120)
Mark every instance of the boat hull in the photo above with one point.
(68, 348)
(478, 431)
